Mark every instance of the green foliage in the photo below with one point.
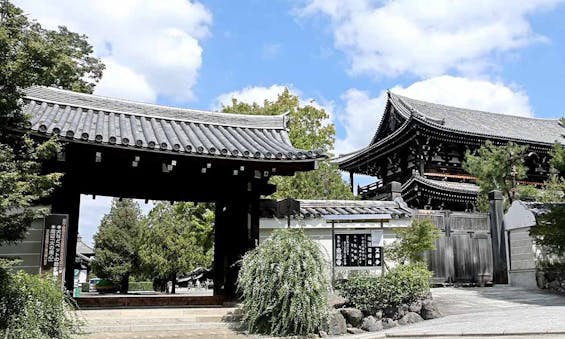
(309, 129)
(35, 307)
(413, 241)
(284, 285)
(177, 238)
(550, 230)
(557, 154)
(116, 244)
(31, 55)
(141, 286)
(403, 284)
(553, 190)
(493, 166)
(21, 183)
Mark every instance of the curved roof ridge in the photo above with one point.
(444, 185)
(464, 108)
(122, 106)
(312, 202)
(480, 123)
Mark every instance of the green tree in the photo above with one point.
(284, 285)
(177, 239)
(413, 241)
(309, 129)
(550, 230)
(31, 55)
(496, 167)
(117, 242)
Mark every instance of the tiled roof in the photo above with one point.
(449, 186)
(83, 248)
(541, 208)
(96, 119)
(481, 123)
(318, 208)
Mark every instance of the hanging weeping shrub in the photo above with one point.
(284, 285)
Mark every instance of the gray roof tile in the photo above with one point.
(318, 208)
(450, 186)
(481, 123)
(92, 118)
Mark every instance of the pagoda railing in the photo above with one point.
(371, 190)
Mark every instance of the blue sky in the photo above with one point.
(501, 56)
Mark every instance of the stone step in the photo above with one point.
(165, 319)
(156, 320)
(157, 312)
(163, 326)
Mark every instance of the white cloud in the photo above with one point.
(252, 94)
(92, 211)
(149, 45)
(427, 38)
(122, 82)
(362, 113)
(360, 118)
(260, 94)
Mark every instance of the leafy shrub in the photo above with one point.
(413, 241)
(549, 233)
(403, 284)
(35, 307)
(141, 286)
(284, 285)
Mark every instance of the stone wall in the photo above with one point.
(522, 268)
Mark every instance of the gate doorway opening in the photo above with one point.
(119, 148)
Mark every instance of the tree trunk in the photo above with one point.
(173, 282)
(124, 285)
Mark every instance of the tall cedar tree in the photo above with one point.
(176, 239)
(493, 166)
(308, 130)
(31, 55)
(117, 242)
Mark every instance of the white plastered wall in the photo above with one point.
(321, 232)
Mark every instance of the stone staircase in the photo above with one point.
(159, 319)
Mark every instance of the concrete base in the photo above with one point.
(525, 278)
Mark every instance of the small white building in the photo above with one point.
(351, 231)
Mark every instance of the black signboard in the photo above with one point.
(54, 242)
(355, 250)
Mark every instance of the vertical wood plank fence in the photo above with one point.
(463, 253)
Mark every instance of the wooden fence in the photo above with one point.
(463, 253)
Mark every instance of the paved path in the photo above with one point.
(489, 311)
(495, 312)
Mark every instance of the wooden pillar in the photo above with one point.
(236, 231)
(351, 182)
(498, 239)
(66, 200)
(220, 238)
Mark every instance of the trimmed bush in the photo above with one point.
(284, 286)
(403, 284)
(141, 286)
(35, 307)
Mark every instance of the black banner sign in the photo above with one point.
(54, 242)
(354, 250)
